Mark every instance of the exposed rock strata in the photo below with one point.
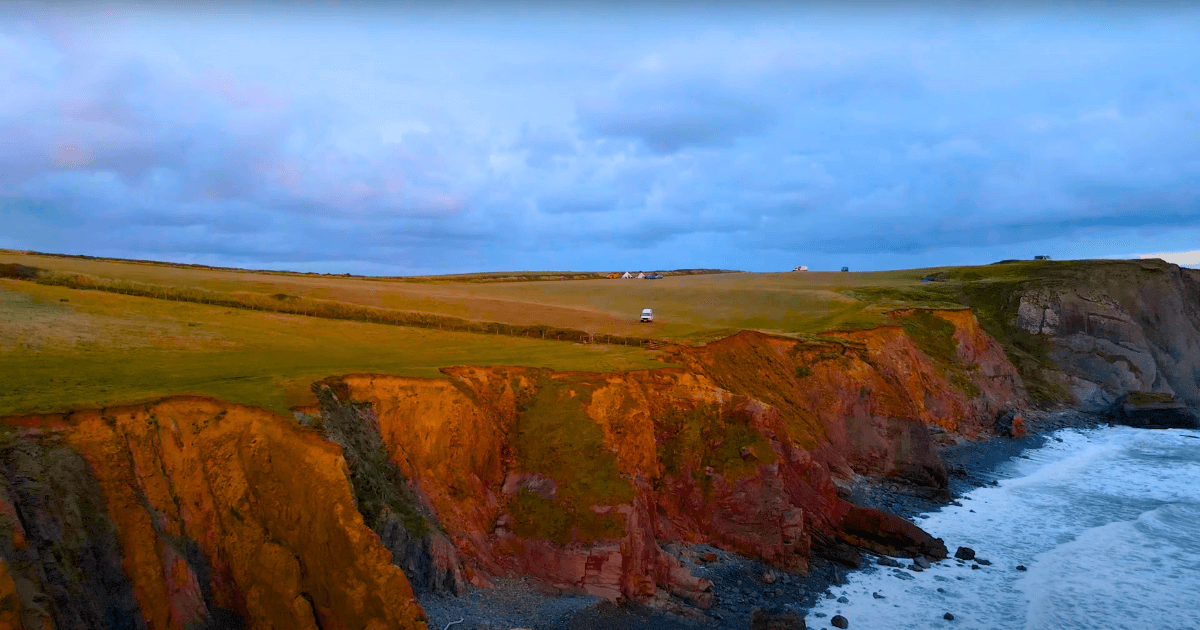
(220, 515)
(577, 478)
(224, 517)
(1132, 328)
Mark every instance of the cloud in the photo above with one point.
(733, 139)
(1183, 259)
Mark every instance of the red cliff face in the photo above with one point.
(225, 512)
(199, 511)
(576, 478)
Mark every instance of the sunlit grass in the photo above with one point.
(100, 348)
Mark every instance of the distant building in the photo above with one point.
(801, 268)
(845, 269)
(1043, 257)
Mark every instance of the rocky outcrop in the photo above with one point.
(62, 559)
(385, 498)
(1153, 411)
(577, 479)
(1131, 326)
(189, 513)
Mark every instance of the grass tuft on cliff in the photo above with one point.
(556, 438)
(723, 440)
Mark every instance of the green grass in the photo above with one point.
(1149, 398)
(933, 335)
(718, 437)
(555, 437)
(54, 359)
(102, 348)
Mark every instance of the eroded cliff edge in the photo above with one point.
(577, 478)
(192, 513)
(187, 513)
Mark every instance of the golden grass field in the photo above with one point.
(687, 307)
(98, 348)
(64, 347)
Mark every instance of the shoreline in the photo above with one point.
(739, 587)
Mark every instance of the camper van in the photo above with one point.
(647, 315)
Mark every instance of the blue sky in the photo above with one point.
(510, 136)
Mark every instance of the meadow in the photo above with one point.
(688, 308)
(83, 332)
(63, 348)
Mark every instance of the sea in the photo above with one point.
(1106, 520)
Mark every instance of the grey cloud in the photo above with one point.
(892, 142)
(667, 123)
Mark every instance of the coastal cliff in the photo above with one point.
(1083, 334)
(190, 512)
(577, 479)
(187, 513)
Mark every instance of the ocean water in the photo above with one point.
(1107, 521)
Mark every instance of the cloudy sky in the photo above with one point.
(510, 136)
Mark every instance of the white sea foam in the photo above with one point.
(1107, 522)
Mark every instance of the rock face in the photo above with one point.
(385, 498)
(188, 513)
(576, 479)
(191, 513)
(1133, 327)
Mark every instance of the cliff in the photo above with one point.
(1086, 333)
(576, 478)
(187, 513)
(192, 513)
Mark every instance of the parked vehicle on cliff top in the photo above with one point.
(647, 315)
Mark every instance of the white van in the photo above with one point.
(647, 315)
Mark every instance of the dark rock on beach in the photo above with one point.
(965, 553)
(1152, 410)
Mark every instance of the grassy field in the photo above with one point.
(688, 308)
(63, 348)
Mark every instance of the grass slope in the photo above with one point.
(63, 348)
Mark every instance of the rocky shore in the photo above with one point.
(741, 585)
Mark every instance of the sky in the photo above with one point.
(487, 136)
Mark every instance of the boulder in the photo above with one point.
(965, 553)
(948, 617)
(839, 621)
(1010, 424)
(1152, 410)
(888, 534)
